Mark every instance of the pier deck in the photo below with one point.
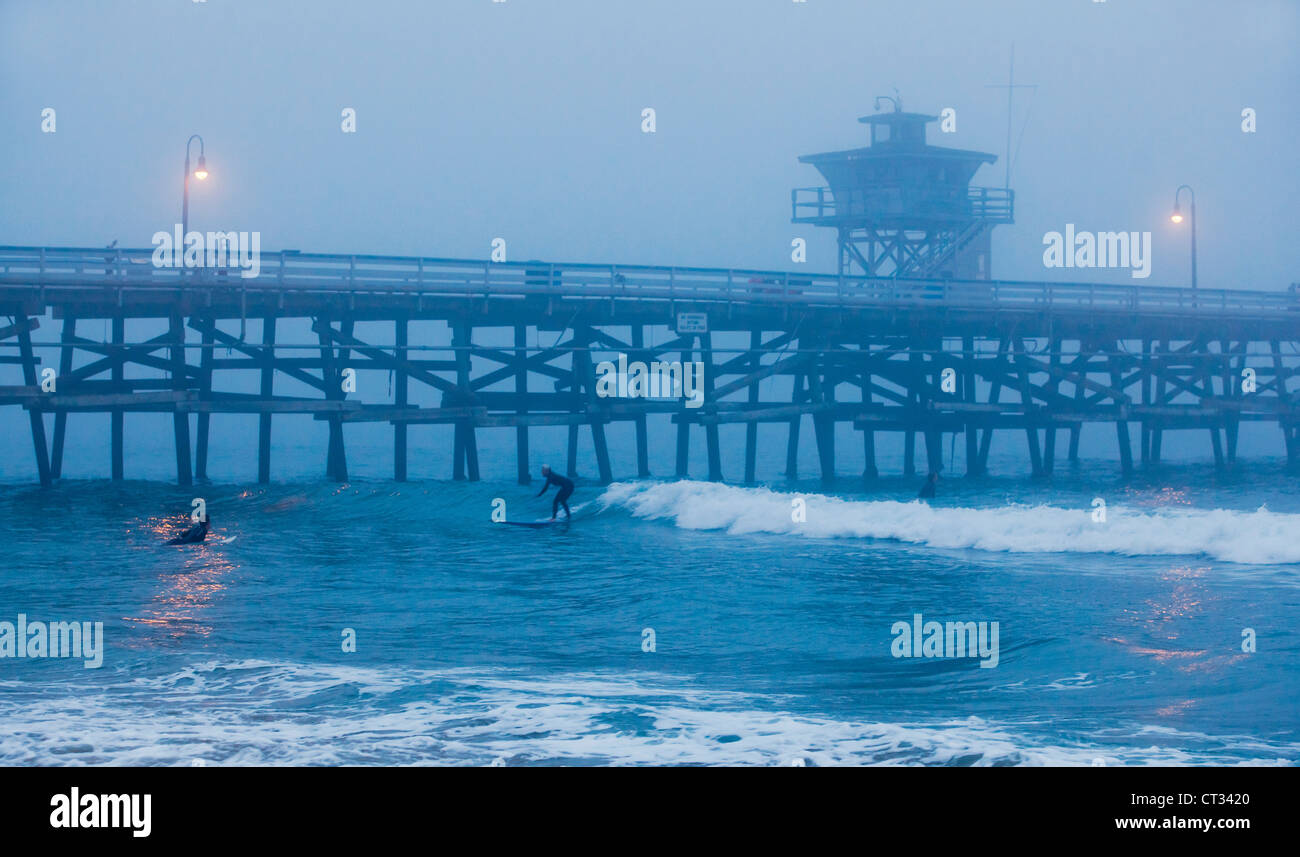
(1033, 357)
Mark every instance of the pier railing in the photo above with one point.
(58, 268)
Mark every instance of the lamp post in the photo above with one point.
(1177, 217)
(200, 173)
(181, 420)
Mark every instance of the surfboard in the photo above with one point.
(545, 523)
(212, 541)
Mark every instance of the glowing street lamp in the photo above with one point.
(200, 173)
(1177, 217)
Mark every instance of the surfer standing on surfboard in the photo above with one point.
(562, 496)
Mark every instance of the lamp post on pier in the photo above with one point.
(200, 173)
(181, 419)
(1177, 217)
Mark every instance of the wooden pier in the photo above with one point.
(1035, 358)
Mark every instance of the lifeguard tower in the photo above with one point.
(902, 207)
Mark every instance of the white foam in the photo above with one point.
(1259, 537)
(260, 713)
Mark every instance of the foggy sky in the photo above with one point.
(522, 120)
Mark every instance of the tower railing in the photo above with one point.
(819, 205)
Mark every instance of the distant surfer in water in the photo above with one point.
(193, 535)
(927, 490)
(562, 496)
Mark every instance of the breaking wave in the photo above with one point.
(1252, 538)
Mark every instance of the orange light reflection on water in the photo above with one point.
(1160, 618)
(184, 594)
(1157, 497)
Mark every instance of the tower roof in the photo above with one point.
(924, 152)
(901, 136)
(896, 116)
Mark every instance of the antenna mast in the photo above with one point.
(1011, 86)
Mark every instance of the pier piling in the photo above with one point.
(1037, 358)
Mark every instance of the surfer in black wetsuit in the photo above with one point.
(562, 496)
(927, 490)
(193, 535)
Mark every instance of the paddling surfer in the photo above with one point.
(194, 535)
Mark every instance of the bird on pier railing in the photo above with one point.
(109, 270)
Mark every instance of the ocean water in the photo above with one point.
(1119, 642)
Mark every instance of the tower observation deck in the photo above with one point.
(902, 207)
